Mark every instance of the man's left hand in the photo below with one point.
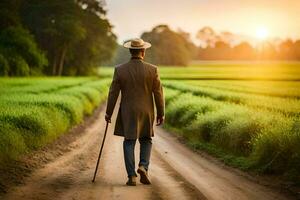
(108, 118)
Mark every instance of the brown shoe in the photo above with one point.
(131, 181)
(144, 175)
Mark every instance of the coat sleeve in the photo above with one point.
(158, 95)
(113, 94)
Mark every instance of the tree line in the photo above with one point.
(168, 47)
(223, 46)
(171, 47)
(54, 37)
(74, 37)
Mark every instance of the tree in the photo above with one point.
(222, 51)
(93, 6)
(74, 34)
(9, 15)
(188, 43)
(286, 49)
(243, 51)
(96, 48)
(122, 55)
(19, 53)
(57, 27)
(19, 49)
(4, 66)
(207, 36)
(228, 37)
(168, 47)
(297, 49)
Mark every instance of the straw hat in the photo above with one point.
(137, 44)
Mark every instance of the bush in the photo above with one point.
(18, 66)
(21, 51)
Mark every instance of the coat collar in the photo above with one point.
(136, 58)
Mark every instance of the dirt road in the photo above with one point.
(176, 173)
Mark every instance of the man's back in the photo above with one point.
(138, 82)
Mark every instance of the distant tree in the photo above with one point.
(227, 37)
(122, 55)
(286, 49)
(222, 51)
(189, 44)
(207, 36)
(268, 51)
(169, 47)
(243, 51)
(297, 49)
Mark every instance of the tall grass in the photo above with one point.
(288, 89)
(43, 110)
(268, 140)
(291, 106)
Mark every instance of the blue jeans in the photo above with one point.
(145, 151)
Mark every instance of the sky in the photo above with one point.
(279, 18)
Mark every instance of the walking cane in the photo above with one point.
(100, 153)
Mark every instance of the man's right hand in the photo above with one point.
(108, 118)
(160, 120)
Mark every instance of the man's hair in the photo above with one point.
(135, 52)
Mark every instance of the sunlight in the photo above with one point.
(262, 33)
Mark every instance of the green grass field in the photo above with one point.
(35, 111)
(251, 122)
(246, 114)
(228, 71)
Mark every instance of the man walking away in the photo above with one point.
(140, 88)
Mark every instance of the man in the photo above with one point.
(140, 85)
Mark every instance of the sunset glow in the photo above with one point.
(262, 33)
(280, 18)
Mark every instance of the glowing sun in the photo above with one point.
(262, 33)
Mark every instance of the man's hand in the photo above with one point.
(108, 118)
(160, 120)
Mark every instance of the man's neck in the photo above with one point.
(137, 57)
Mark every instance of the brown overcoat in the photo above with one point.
(140, 87)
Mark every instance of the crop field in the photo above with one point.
(247, 115)
(227, 71)
(251, 124)
(35, 111)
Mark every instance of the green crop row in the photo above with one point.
(43, 110)
(226, 71)
(267, 141)
(288, 89)
(287, 106)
